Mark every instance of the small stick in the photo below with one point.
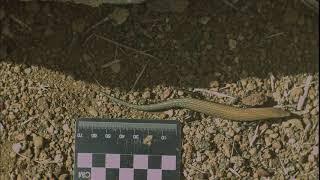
(193, 167)
(114, 61)
(274, 35)
(234, 172)
(126, 47)
(111, 63)
(97, 24)
(254, 136)
(284, 169)
(305, 94)
(230, 5)
(139, 76)
(272, 78)
(24, 25)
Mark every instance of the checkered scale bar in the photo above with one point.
(125, 167)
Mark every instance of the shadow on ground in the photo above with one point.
(208, 41)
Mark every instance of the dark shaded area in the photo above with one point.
(278, 37)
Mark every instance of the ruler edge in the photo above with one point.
(179, 134)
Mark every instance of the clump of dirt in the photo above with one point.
(54, 57)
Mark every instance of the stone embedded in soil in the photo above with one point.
(255, 99)
(38, 141)
(16, 147)
(262, 172)
(119, 15)
(92, 111)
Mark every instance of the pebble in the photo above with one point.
(262, 172)
(146, 95)
(232, 44)
(27, 70)
(42, 104)
(255, 99)
(166, 93)
(64, 177)
(180, 93)
(274, 135)
(16, 147)
(276, 145)
(1, 128)
(314, 111)
(37, 141)
(66, 128)
(169, 112)
(119, 15)
(92, 111)
(204, 20)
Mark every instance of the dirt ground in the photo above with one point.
(54, 56)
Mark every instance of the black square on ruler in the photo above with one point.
(112, 173)
(170, 174)
(140, 174)
(126, 161)
(98, 160)
(154, 162)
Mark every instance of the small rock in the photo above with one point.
(204, 20)
(262, 172)
(311, 158)
(27, 70)
(314, 111)
(276, 145)
(315, 150)
(16, 147)
(66, 128)
(167, 93)
(146, 95)
(255, 99)
(267, 141)
(119, 15)
(230, 132)
(180, 93)
(251, 86)
(64, 177)
(1, 128)
(170, 112)
(38, 141)
(214, 84)
(17, 69)
(274, 135)
(92, 111)
(58, 158)
(148, 140)
(232, 44)
(42, 104)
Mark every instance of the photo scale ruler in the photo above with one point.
(121, 149)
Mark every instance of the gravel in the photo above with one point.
(43, 91)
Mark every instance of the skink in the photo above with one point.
(211, 108)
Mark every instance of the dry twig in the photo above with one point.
(139, 76)
(126, 47)
(254, 137)
(18, 21)
(305, 93)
